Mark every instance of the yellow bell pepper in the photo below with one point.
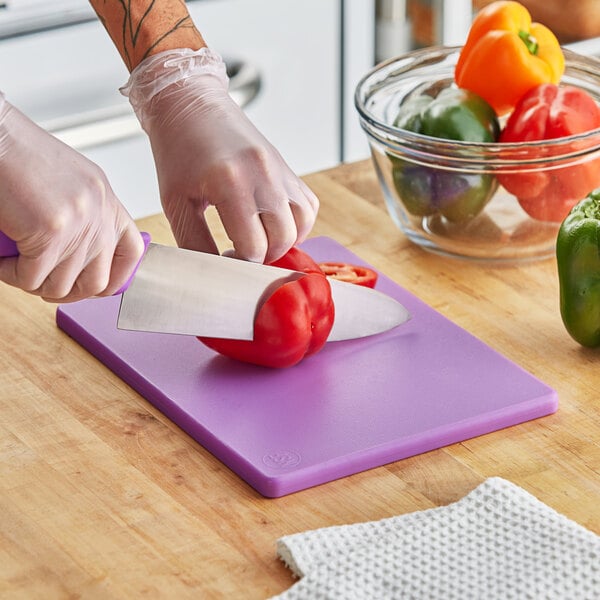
(506, 55)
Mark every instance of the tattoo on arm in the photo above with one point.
(140, 28)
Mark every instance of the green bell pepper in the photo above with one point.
(578, 259)
(453, 114)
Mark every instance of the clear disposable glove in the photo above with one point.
(207, 152)
(74, 238)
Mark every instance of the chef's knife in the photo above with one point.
(180, 291)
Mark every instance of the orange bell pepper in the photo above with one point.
(506, 55)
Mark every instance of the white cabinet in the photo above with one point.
(308, 55)
(295, 47)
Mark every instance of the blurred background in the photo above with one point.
(293, 67)
(419, 23)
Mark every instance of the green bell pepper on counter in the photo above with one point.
(578, 259)
(453, 114)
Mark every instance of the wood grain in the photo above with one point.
(101, 496)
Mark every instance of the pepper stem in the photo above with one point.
(530, 41)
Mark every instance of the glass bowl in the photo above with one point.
(453, 197)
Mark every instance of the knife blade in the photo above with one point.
(179, 291)
(193, 293)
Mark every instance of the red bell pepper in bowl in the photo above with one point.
(549, 112)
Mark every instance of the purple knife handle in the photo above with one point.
(8, 248)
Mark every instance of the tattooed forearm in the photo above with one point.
(140, 28)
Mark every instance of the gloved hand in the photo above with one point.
(74, 238)
(207, 152)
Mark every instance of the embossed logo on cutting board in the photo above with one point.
(285, 459)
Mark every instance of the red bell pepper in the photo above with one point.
(348, 273)
(548, 112)
(293, 323)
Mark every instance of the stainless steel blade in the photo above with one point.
(193, 293)
(361, 311)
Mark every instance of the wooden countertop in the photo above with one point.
(103, 497)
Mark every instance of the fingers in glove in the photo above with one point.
(191, 230)
(305, 206)
(125, 258)
(287, 218)
(102, 276)
(27, 272)
(281, 232)
(244, 226)
(72, 281)
(75, 277)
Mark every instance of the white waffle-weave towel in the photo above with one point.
(498, 542)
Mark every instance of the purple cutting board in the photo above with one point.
(353, 406)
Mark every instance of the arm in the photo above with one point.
(140, 29)
(74, 237)
(206, 150)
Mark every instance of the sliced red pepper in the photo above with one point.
(544, 113)
(293, 323)
(350, 273)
